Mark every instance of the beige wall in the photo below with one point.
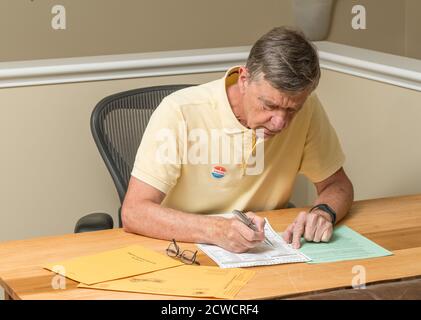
(378, 125)
(45, 129)
(385, 25)
(413, 28)
(98, 27)
(393, 26)
(52, 173)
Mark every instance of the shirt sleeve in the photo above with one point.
(322, 155)
(158, 159)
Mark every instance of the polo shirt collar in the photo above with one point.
(230, 123)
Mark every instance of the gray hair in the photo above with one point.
(286, 59)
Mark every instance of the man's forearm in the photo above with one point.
(339, 196)
(153, 220)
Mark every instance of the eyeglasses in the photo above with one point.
(186, 256)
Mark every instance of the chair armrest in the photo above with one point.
(94, 222)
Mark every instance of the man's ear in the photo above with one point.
(243, 78)
(243, 73)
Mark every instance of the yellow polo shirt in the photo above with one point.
(196, 152)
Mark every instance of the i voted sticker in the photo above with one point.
(218, 172)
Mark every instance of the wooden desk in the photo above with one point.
(394, 223)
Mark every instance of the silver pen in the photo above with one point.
(247, 221)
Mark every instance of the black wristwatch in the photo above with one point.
(324, 207)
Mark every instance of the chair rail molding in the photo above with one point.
(396, 70)
(124, 66)
(369, 64)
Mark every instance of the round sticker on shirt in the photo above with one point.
(218, 172)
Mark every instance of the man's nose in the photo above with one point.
(278, 122)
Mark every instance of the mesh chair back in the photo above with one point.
(118, 123)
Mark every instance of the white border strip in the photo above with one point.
(374, 65)
(392, 69)
(55, 71)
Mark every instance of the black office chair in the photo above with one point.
(117, 124)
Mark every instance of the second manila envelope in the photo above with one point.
(187, 280)
(112, 265)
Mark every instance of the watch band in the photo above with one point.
(324, 207)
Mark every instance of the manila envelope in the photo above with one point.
(114, 264)
(191, 281)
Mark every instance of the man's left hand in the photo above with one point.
(315, 226)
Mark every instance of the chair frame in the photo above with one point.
(99, 136)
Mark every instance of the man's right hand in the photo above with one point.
(143, 214)
(233, 235)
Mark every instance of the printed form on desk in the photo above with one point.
(262, 255)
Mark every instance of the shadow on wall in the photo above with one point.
(313, 17)
(303, 193)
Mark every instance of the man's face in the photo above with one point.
(266, 107)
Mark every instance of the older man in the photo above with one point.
(238, 143)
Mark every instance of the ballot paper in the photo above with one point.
(187, 280)
(113, 264)
(345, 244)
(262, 255)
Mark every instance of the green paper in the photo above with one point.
(345, 244)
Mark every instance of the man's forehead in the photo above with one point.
(278, 98)
(269, 92)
